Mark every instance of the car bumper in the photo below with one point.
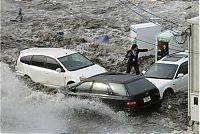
(148, 106)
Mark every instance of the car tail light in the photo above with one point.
(131, 104)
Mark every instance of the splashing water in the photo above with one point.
(26, 111)
(23, 110)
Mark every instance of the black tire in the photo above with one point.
(167, 93)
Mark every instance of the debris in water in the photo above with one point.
(169, 106)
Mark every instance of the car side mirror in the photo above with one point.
(58, 70)
(180, 75)
(143, 72)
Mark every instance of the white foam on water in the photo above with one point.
(23, 110)
(26, 111)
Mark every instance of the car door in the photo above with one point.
(52, 76)
(181, 83)
(36, 70)
(118, 96)
(82, 90)
(103, 92)
(100, 91)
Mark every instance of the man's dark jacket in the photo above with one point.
(131, 55)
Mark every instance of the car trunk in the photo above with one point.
(143, 93)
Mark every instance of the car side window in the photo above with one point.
(99, 88)
(26, 59)
(183, 68)
(118, 89)
(84, 87)
(38, 60)
(53, 64)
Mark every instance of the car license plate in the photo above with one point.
(146, 99)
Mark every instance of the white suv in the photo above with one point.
(55, 67)
(170, 74)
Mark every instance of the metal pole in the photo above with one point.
(189, 84)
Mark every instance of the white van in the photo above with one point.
(55, 67)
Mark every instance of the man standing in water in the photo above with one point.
(132, 56)
(20, 16)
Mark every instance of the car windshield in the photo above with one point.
(75, 61)
(161, 71)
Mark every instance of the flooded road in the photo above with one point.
(26, 111)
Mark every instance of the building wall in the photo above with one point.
(194, 74)
(194, 60)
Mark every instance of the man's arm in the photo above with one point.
(145, 50)
(142, 50)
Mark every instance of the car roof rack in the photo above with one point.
(175, 57)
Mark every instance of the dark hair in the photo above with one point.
(133, 46)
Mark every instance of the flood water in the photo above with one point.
(26, 111)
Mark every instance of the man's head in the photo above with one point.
(134, 47)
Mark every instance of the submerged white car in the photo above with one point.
(55, 67)
(170, 74)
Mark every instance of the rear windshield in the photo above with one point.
(26, 59)
(139, 86)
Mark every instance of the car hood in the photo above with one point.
(89, 71)
(159, 83)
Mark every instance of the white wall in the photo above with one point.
(146, 32)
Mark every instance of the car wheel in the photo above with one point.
(167, 94)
